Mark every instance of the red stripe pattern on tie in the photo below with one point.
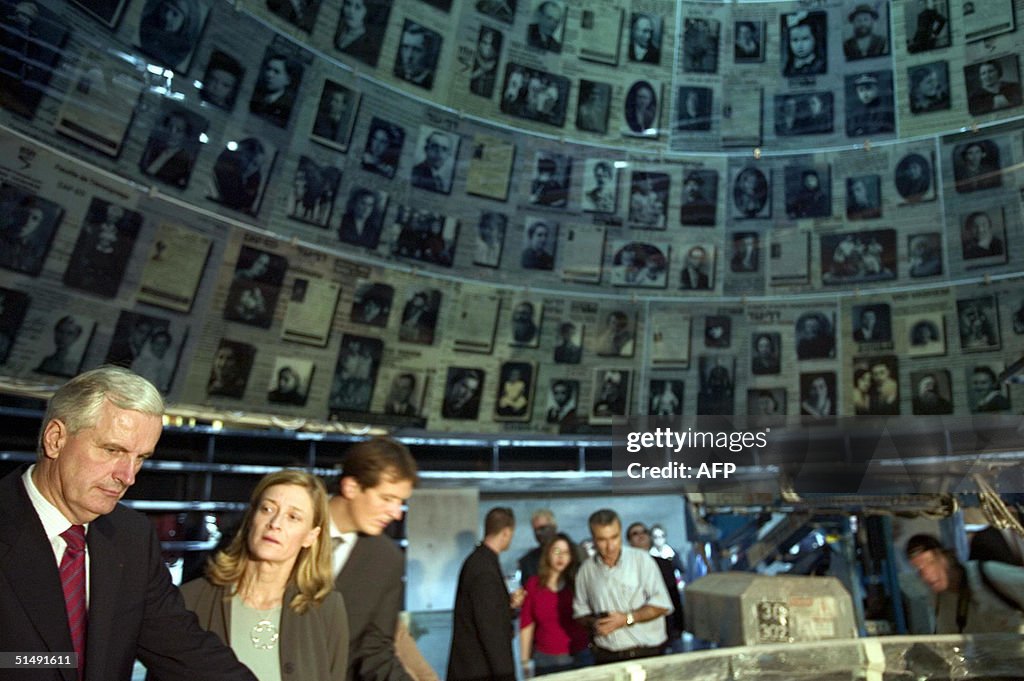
(72, 577)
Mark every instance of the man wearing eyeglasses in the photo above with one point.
(430, 172)
(544, 527)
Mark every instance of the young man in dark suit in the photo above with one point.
(482, 626)
(98, 429)
(377, 479)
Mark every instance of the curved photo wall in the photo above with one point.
(495, 216)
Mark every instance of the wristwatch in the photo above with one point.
(629, 619)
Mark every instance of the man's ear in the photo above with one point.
(55, 435)
(349, 487)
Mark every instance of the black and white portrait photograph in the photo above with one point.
(808, 192)
(976, 166)
(63, 348)
(363, 219)
(700, 44)
(546, 26)
(405, 393)
(384, 141)
(299, 13)
(611, 394)
(640, 264)
(514, 397)
(290, 381)
(863, 197)
(866, 32)
(419, 316)
(616, 334)
(361, 27)
(700, 198)
(33, 38)
(418, 52)
(872, 323)
(229, 372)
(927, 25)
(818, 394)
(103, 248)
(484, 76)
(277, 87)
(751, 194)
(648, 200)
(535, 95)
(641, 110)
(983, 237)
(549, 185)
(27, 225)
(808, 113)
(107, 11)
(985, 394)
(255, 287)
(815, 335)
(932, 392)
(502, 10)
(335, 116)
(173, 145)
(979, 323)
(748, 41)
(169, 31)
(563, 401)
(490, 239)
(665, 397)
(765, 353)
(746, 252)
(436, 153)
(592, 108)
(924, 254)
(913, 178)
(425, 235)
(693, 109)
(540, 240)
(869, 104)
(805, 44)
(221, 80)
(929, 87)
(993, 85)
(698, 268)
(717, 388)
(147, 345)
(600, 186)
(1018, 318)
(926, 334)
(313, 192)
(858, 257)
(463, 388)
(569, 348)
(355, 374)
(766, 405)
(371, 304)
(241, 172)
(524, 324)
(717, 331)
(645, 31)
(13, 306)
(876, 387)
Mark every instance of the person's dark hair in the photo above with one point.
(994, 63)
(923, 332)
(563, 383)
(575, 558)
(546, 165)
(379, 458)
(605, 165)
(603, 518)
(357, 195)
(982, 369)
(535, 226)
(921, 543)
(498, 519)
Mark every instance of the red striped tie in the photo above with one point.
(72, 577)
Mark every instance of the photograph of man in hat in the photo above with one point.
(869, 104)
(866, 40)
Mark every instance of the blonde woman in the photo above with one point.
(270, 594)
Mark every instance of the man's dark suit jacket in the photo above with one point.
(134, 610)
(652, 56)
(371, 583)
(482, 626)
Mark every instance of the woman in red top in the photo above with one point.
(547, 632)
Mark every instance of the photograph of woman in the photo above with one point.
(817, 395)
(270, 594)
(485, 62)
(169, 31)
(173, 145)
(229, 372)
(750, 194)
(361, 26)
(929, 87)
(300, 13)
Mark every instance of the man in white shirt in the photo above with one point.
(620, 596)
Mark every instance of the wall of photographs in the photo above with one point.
(499, 216)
